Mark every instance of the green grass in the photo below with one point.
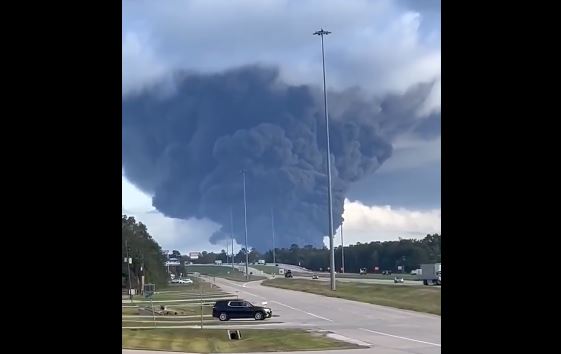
(416, 298)
(405, 276)
(172, 293)
(267, 268)
(216, 340)
(181, 310)
(171, 310)
(130, 311)
(188, 295)
(225, 272)
(180, 291)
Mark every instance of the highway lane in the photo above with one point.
(366, 280)
(388, 330)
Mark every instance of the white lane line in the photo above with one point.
(307, 313)
(229, 286)
(348, 339)
(405, 338)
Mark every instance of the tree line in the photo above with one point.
(146, 253)
(386, 255)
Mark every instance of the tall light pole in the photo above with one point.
(245, 222)
(232, 234)
(342, 251)
(273, 225)
(129, 268)
(322, 33)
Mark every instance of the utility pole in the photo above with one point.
(273, 224)
(129, 268)
(232, 234)
(342, 251)
(322, 33)
(142, 272)
(245, 222)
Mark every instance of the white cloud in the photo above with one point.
(433, 102)
(380, 223)
(141, 66)
(362, 223)
(182, 235)
(378, 45)
(411, 152)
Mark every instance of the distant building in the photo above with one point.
(194, 255)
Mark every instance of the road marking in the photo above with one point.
(348, 339)
(405, 338)
(241, 290)
(307, 313)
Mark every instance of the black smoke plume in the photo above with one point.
(187, 147)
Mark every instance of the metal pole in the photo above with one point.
(342, 251)
(129, 270)
(245, 222)
(232, 234)
(142, 271)
(201, 287)
(330, 212)
(153, 312)
(273, 224)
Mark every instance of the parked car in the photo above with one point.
(226, 309)
(315, 276)
(387, 272)
(398, 280)
(184, 281)
(288, 274)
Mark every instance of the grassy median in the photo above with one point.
(217, 341)
(416, 298)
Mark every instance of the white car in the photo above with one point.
(184, 281)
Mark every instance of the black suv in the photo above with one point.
(288, 274)
(226, 309)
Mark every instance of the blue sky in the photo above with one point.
(380, 46)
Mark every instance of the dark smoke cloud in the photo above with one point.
(187, 148)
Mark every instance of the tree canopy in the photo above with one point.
(145, 252)
(407, 253)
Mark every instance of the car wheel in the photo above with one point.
(258, 316)
(223, 317)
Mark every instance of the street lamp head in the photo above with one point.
(321, 32)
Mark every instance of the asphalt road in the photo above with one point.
(386, 329)
(365, 280)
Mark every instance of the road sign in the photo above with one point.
(149, 290)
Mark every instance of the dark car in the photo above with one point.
(288, 274)
(226, 309)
